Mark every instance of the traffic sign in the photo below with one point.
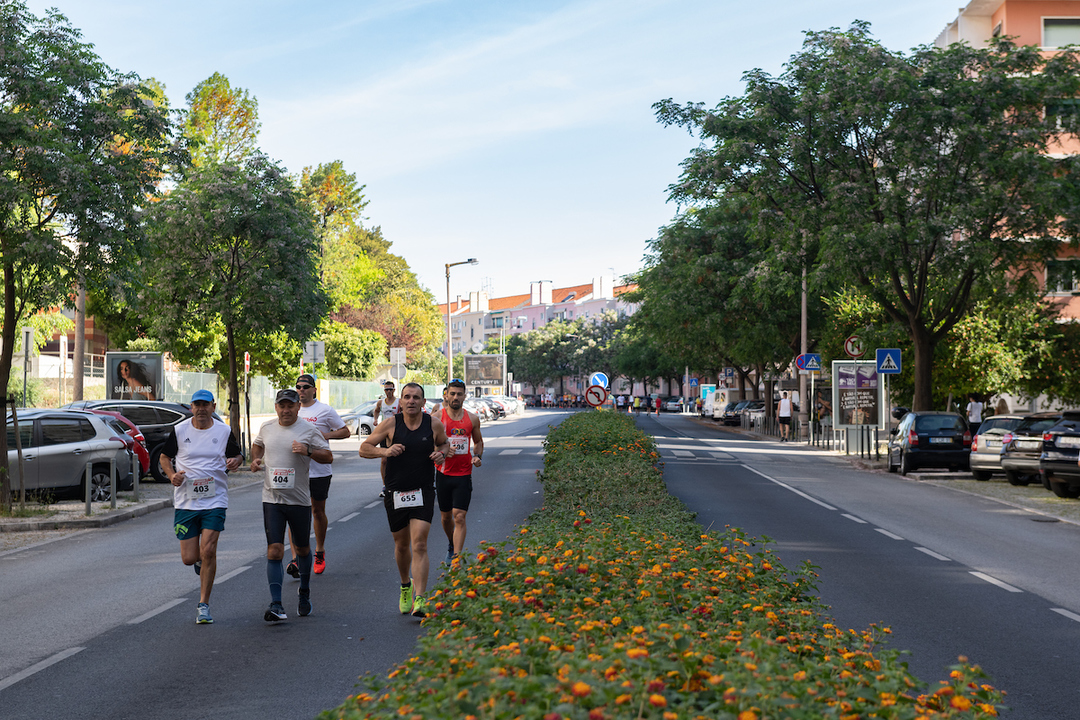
(888, 361)
(397, 371)
(853, 346)
(729, 372)
(596, 395)
(598, 378)
(693, 382)
(314, 351)
(808, 363)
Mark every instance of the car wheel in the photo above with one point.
(905, 464)
(363, 430)
(100, 485)
(155, 464)
(1064, 490)
(1015, 478)
(981, 475)
(1045, 480)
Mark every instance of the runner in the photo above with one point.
(329, 423)
(410, 441)
(453, 479)
(659, 404)
(637, 404)
(385, 407)
(283, 451)
(205, 448)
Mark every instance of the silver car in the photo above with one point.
(986, 446)
(57, 445)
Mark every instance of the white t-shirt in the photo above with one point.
(785, 407)
(325, 419)
(974, 411)
(286, 479)
(387, 409)
(201, 455)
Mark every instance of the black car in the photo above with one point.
(1022, 447)
(155, 418)
(928, 439)
(1058, 466)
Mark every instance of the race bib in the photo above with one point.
(196, 488)
(408, 499)
(282, 478)
(459, 444)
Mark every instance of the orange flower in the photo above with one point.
(960, 703)
(635, 652)
(657, 700)
(581, 689)
(747, 715)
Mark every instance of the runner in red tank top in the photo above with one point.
(453, 479)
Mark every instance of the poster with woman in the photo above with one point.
(134, 376)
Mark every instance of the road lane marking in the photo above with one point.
(886, 533)
(371, 505)
(721, 455)
(995, 581)
(38, 667)
(931, 553)
(1066, 613)
(800, 493)
(350, 516)
(856, 519)
(682, 453)
(156, 611)
(514, 451)
(231, 575)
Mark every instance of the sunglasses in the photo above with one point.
(304, 387)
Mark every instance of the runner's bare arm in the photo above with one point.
(370, 447)
(442, 443)
(477, 440)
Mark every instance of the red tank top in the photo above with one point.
(459, 460)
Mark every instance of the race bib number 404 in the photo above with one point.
(196, 488)
(408, 499)
(282, 478)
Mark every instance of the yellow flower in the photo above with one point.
(657, 700)
(581, 689)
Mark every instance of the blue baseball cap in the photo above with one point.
(202, 395)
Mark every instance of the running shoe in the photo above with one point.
(449, 554)
(198, 567)
(320, 563)
(419, 608)
(293, 569)
(202, 616)
(274, 613)
(405, 604)
(304, 608)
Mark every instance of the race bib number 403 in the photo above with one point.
(282, 478)
(408, 499)
(197, 488)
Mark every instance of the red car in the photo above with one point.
(134, 433)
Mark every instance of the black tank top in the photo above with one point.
(413, 468)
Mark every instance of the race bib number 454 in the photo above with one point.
(282, 478)
(408, 499)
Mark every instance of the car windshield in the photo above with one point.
(1000, 425)
(1035, 426)
(930, 423)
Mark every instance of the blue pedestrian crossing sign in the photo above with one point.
(809, 362)
(693, 382)
(888, 361)
(598, 378)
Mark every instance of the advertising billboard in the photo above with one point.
(134, 376)
(856, 393)
(484, 370)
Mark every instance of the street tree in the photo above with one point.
(920, 178)
(80, 151)
(222, 122)
(234, 244)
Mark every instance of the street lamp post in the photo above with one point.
(449, 337)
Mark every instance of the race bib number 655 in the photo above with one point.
(408, 499)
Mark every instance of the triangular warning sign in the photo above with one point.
(888, 363)
(813, 364)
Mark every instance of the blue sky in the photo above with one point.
(518, 132)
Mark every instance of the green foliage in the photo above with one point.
(612, 603)
(921, 179)
(143, 344)
(35, 391)
(352, 353)
(222, 122)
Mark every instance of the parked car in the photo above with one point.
(1058, 466)
(478, 408)
(122, 424)
(155, 418)
(497, 410)
(929, 439)
(1021, 447)
(733, 414)
(752, 410)
(360, 420)
(986, 445)
(57, 445)
(673, 404)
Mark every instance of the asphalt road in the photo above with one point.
(100, 624)
(951, 574)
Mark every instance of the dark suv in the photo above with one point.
(929, 439)
(155, 418)
(1022, 447)
(1060, 451)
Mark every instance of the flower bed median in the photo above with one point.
(611, 603)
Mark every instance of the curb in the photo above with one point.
(89, 522)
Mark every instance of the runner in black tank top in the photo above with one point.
(413, 468)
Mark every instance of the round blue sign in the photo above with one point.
(598, 378)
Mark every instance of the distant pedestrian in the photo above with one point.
(974, 414)
(783, 414)
(659, 404)
(637, 404)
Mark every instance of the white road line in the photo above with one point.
(1066, 613)
(886, 533)
(514, 451)
(38, 667)
(231, 575)
(350, 516)
(856, 519)
(995, 581)
(371, 505)
(931, 553)
(156, 611)
(682, 453)
(800, 493)
(721, 455)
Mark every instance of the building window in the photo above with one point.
(1062, 277)
(1059, 32)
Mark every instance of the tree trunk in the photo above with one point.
(234, 387)
(6, 353)
(924, 366)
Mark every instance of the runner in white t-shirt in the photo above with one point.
(386, 407)
(196, 458)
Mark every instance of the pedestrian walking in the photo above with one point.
(783, 414)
